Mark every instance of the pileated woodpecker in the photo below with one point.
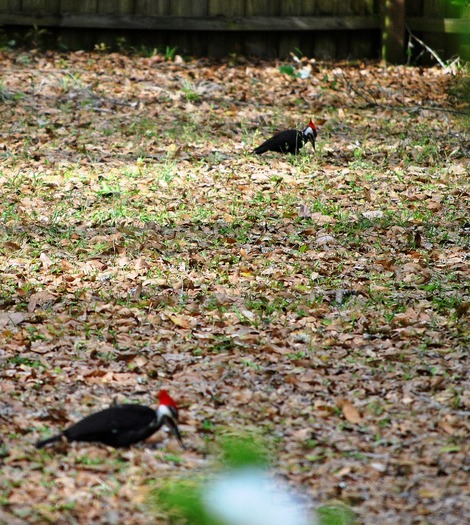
(289, 141)
(123, 425)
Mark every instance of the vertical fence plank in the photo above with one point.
(10, 6)
(393, 33)
(48, 7)
(153, 7)
(261, 43)
(262, 7)
(291, 41)
(342, 38)
(84, 6)
(116, 6)
(197, 44)
(221, 44)
(324, 43)
(199, 8)
(290, 8)
(223, 8)
(361, 43)
(181, 7)
(185, 42)
(309, 8)
(155, 41)
(78, 38)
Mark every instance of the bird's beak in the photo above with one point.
(169, 416)
(172, 425)
(312, 140)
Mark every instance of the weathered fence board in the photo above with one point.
(189, 23)
(321, 28)
(439, 25)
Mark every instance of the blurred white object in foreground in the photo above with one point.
(251, 497)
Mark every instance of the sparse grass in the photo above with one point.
(174, 258)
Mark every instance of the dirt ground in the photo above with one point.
(319, 301)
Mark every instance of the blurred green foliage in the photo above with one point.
(183, 499)
(244, 451)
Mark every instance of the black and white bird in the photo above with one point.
(289, 141)
(122, 425)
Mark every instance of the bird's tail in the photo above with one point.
(45, 442)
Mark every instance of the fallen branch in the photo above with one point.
(428, 49)
(440, 406)
(370, 99)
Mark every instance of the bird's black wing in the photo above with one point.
(118, 425)
(278, 142)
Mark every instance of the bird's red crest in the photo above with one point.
(312, 125)
(166, 399)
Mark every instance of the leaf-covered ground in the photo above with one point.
(320, 300)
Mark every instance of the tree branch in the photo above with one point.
(431, 51)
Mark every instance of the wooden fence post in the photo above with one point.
(393, 31)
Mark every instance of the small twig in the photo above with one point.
(373, 102)
(223, 378)
(436, 404)
(102, 110)
(430, 108)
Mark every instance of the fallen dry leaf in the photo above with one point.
(350, 412)
(252, 288)
(39, 298)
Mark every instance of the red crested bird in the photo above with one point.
(122, 425)
(289, 141)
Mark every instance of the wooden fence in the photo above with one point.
(319, 28)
